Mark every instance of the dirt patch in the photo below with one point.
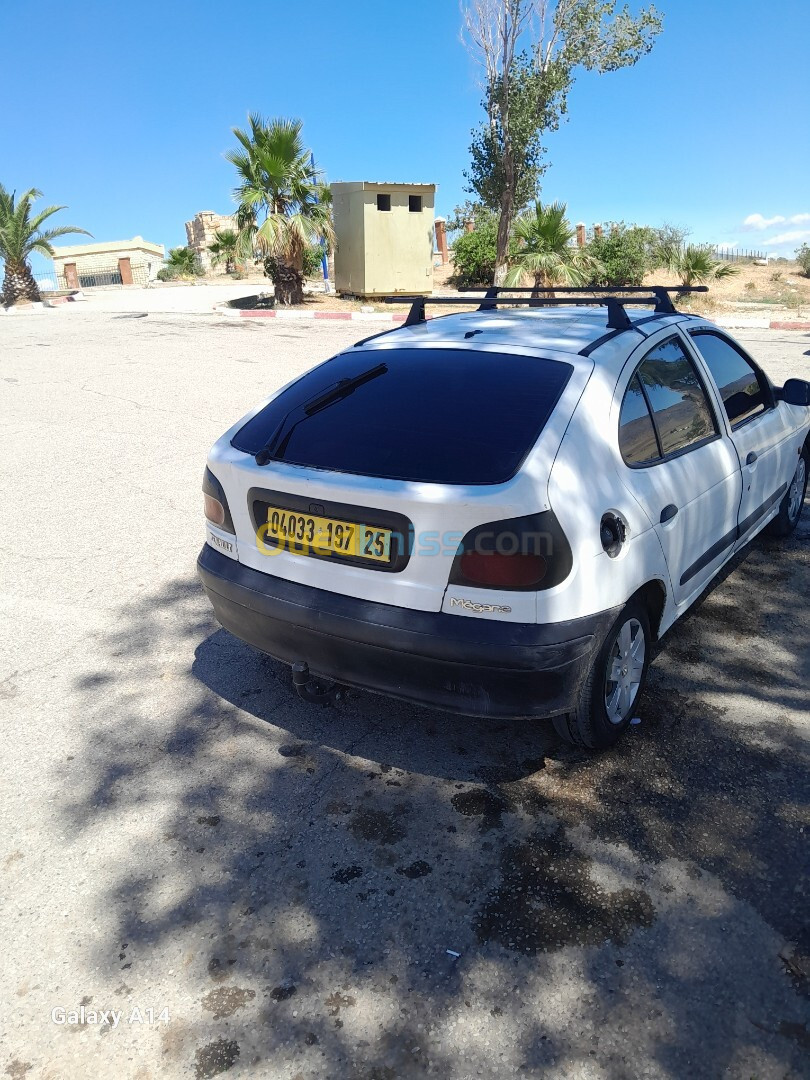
(347, 874)
(547, 900)
(215, 1058)
(416, 870)
(377, 825)
(226, 1000)
(481, 803)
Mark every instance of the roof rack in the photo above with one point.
(613, 299)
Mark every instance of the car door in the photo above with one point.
(679, 463)
(759, 428)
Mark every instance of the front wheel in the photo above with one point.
(790, 508)
(609, 694)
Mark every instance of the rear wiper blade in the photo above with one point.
(343, 389)
(277, 444)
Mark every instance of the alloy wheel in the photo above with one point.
(625, 667)
(796, 493)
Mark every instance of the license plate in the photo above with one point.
(309, 534)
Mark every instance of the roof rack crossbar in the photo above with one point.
(618, 319)
(592, 290)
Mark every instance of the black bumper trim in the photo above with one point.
(453, 662)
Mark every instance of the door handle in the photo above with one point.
(752, 457)
(668, 513)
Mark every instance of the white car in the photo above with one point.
(497, 512)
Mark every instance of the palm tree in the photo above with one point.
(182, 262)
(279, 208)
(544, 249)
(695, 264)
(225, 248)
(20, 236)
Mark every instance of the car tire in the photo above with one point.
(606, 706)
(790, 508)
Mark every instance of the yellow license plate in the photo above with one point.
(310, 534)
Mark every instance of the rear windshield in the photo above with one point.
(446, 416)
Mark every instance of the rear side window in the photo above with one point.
(637, 440)
(447, 416)
(681, 411)
(743, 391)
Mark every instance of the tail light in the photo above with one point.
(215, 504)
(519, 554)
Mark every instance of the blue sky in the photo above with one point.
(124, 110)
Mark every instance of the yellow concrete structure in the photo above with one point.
(116, 262)
(384, 238)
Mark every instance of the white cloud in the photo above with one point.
(790, 237)
(799, 219)
(757, 221)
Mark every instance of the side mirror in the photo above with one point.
(796, 392)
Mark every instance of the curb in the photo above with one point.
(740, 322)
(343, 316)
(729, 322)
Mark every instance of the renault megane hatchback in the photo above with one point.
(497, 512)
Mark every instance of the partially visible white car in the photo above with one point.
(497, 512)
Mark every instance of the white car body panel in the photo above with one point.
(441, 515)
(575, 469)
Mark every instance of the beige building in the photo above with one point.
(384, 238)
(201, 233)
(117, 262)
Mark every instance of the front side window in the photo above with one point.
(681, 411)
(744, 394)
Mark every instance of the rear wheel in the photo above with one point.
(790, 508)
(609, 694)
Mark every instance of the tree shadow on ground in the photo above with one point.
(311, 867)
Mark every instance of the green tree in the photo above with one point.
(622, 253)
(803, 259)
(20, 236)
(225, 248)
(281, 206)
(544, 249)
(695, 264)
(474, 255)
(531, 52)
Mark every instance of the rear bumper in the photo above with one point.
(477, 667)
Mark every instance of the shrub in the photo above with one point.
(803, 259)
(623, 256)
(474, 256)
(181, 262)
(312, 261)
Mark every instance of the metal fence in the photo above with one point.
(51, 281)
(738, 254)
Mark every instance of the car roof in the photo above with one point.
(558, 329)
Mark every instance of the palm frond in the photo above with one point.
(20, 234)
(283, 205)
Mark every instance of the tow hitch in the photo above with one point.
(316, 691)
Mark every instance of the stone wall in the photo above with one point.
(200, 233)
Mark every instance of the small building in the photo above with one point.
(201, 232)
(384, 235)
(116, 262)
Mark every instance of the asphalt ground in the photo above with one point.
(280, 883)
